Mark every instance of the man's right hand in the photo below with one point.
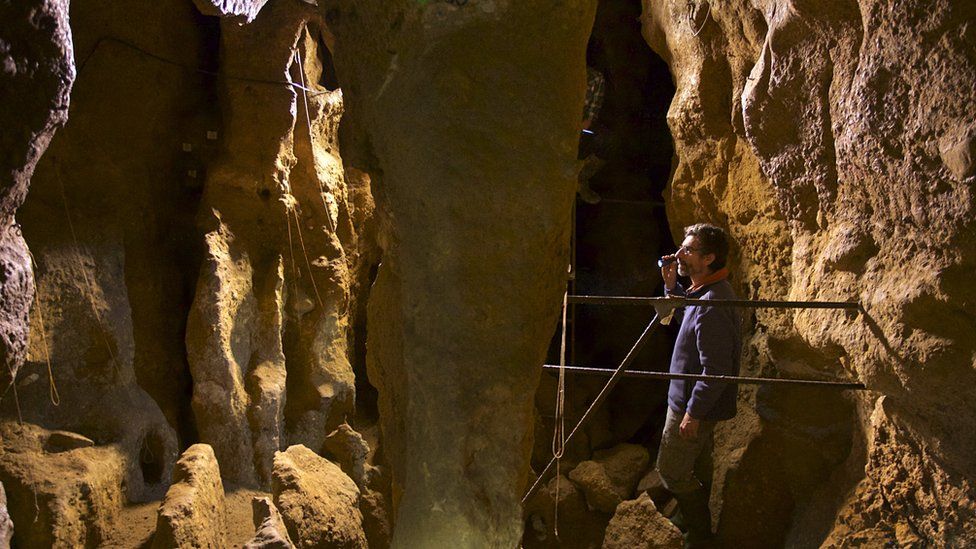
(669, 273)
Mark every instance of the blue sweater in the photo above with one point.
(708, 343)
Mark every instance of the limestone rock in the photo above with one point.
(637, 523)
(272, 197)
(242, 10)
(271, 531)
(350, 450)
(376, 505)
(6, 525)
(600, 490)
(578, 525)
(449, 290)
(838, 155)
(36, 74)
(79, 492)
(959, 154)
(611, 476)
(192, 513)
(624, 464)
(318, 502)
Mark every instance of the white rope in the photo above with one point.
(691, 20)
(103, 327)
(559, 430)
(308, 119)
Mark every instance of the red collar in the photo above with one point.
(717, 276)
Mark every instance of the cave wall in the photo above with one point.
(201, 275)
(196, 239)
(37, 76)
(835, 142)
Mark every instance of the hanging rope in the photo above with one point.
(559, 430)
(691, 18)
(81, 263)
(308, 263)
(52, 386)
(308, 120)
(602, 396)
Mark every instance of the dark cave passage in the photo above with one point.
(620, 230)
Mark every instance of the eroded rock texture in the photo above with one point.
(35, 82)
(319, 503)
(192, 513)
(460, 111)
(273, 297)
(196, 256)
(271, 532)
(832, 140)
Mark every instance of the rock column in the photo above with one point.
(466, 115)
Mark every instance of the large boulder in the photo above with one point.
(78, 493)
(319, 503)
(611, 476)
(557, 516)
(350, 450)
(601, 492)
(192, 513)
(637, 523)
(624, 464)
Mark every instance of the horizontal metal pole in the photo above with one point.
(699, 377)
(676, 301)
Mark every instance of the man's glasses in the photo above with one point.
(687, 249)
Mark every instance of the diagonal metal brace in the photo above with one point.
(617, 375)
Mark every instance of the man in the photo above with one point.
(708, 343)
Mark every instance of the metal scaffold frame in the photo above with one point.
(663, 309)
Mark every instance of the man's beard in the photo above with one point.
(682, 269)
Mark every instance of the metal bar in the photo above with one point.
(688, 301)
(700, 377)
(633, 202)
(604, 393)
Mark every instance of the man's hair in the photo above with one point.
(713, 241)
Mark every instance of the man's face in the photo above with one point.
(691, 261)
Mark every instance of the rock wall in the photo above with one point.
(466, 116)
(198, 267)
(204, 228)
(37, 75)
(835, 143)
